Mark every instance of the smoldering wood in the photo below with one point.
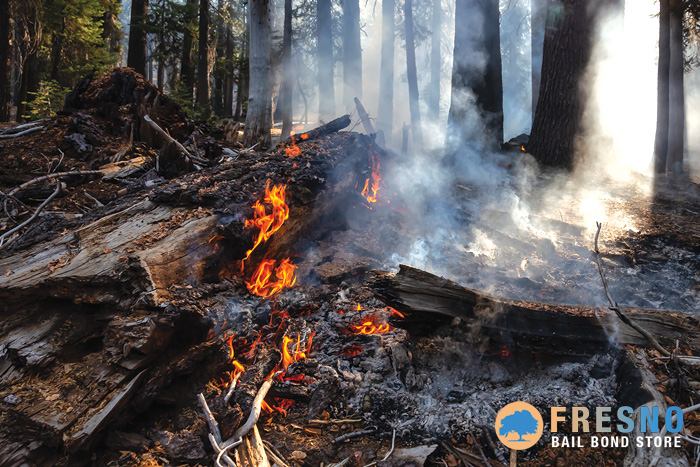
(324, 130)
(554, 328)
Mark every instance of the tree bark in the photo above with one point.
(412, 75)
(435, 62)
(476, 83)
(259, 116)
(186, 66)
(5, 89)
(385, 111)
(567, 49)
(326, 63)
(676, 122)
(285, 104)
(57, 50)
(538, 19)
(137, 36)
(352, 54)
(662, 96)
(203, 62)
(229, 80)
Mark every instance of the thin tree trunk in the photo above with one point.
(326, 63)
(203, 62)
(477, 88)
(538, 19)
(259, 116)
(352, 54)
(28, 85)
(57, 50)
(676, 128)
(385, 112)
(662, 96)
(229, 81)
(137, 36)
(285, 99)
(435, 62)
(412, 75)
(5, 66)
(243, 69)
(187, 66)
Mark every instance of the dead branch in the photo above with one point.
(614, 306)
(22, 133)
(31, 219)
(232, 388)
(214, 433)
(334, 422)
(272, 455)
(364, 117)
(391, 451)
(276, 452)
(167, 137)
(354, 434)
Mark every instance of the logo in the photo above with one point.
(519, 425)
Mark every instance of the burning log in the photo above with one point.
(576, 330)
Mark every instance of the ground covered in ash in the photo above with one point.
(438, 392)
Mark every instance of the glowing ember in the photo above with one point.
(371, 326)
(304, 136)
(294, 150)
(230, 347)
(268, 224)
(372, 183)
(261, 283)
(522, 148)
(297, 354)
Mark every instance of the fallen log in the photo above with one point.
(566, 329)
(324, 130)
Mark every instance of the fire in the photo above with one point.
(304, 136)
(371, 326)
(261, 283)
(268, 224)
(372, 183)
(294, 150)
(522, 148)
(298, 354)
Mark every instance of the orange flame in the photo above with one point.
(230, 347)
(294, 150)
(268, 223)
(375, 179)
(371, 326)
(261, 283)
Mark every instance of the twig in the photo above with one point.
(166, 136)
(270, 447)
(334, 422)
(275, 459)
(614, 306)
(232, 388)
(481, 451)
(60, 161)
(34, 216)
(214, 433)
(95, 200)
(21, 133)
(354, 434)
(393, 443)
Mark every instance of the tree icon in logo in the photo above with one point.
(519, 425)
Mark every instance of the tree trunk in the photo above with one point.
(285, 100)
(476, 84)
(28, 85)
(243, 68)
(110, 31)
(385, 112)
(137, 36)
(662, 96)
(676, 127)
(538, 19)
(5, 90)
(187, 66)
(258, 120)
(229, 81)
(203, 62)
(352, 54)
(57, 50)
(435, 62)
(326, 63)
(567, 49)
(412, 75)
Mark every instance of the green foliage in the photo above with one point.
(47, 101)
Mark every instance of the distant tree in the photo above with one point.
(137, 36)
(435, 62)
(5, 66)
(538, 17)
(676, 94)
(411, 75)
(285, 97)
(325, 61)
(203, 60)
(662, 96)
(352, 53)
(521, 423)
(187, 62)
(259, 116)
(385, 111)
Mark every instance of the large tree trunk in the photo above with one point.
(476, 84)
(567, 49)
(285, 102)
(137, 36)
(662, 96)
(435, 62)
(203, 62)
(187, 66)
(352, 54)
(258, 120)
(676, 122)
(385, 112)
(28, 86)
(326, 64)
(538, 16)
(411, 74)
(5, 89)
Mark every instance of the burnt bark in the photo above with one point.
(203, 61)
(187, 66)
(538, 20)
(326, 64)
(435, 62)
(567, 49)
(285, 103)
(662, 96)
(5, 86)
(137, 36)
(476, 86)
(412, 75)
(385, 112)
(352, 54)
(676, 100)
(259, 116)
